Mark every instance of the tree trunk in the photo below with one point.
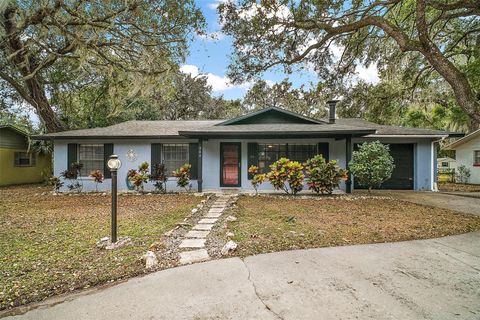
(42, 106)
(462, 89)
(29, 87)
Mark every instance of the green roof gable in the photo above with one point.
(271, 115)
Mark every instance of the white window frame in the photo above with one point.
(102, 168)
(181, 162)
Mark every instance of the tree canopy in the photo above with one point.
(45, 45)
(427, 36)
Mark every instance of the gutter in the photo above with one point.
(43, 137)
(440, 136)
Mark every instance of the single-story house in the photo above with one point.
(446, 163)
(221, 151)
(467, 150)
(17, 164)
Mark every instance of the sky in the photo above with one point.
(210, 56)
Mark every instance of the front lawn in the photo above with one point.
(47, 243)
(269, 223)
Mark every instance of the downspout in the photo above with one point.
(200, 166)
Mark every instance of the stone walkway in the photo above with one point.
(194, 241)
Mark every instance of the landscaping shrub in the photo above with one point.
(97, 176)
(56, 183)
(71, 174)
(286, 171)
(462, 174)
(323, 176)
(257, 179)
(372, 164)
(159, 177)
(183, 176)
(140, 177)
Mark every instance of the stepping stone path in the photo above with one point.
(195, 238)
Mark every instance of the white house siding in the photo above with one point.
(464, 156)
(211, 159)
(120, 148)
(424, 161)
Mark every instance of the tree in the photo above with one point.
(438, 35)
(309, 102)
(47, 43)
(372, 164)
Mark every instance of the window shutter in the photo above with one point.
(107, 152)
(193, 160)
(155, 155)
(323, 150)
(252, 153)
(72, 154)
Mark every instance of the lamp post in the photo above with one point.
(114, 164)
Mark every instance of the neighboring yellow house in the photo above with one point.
(17, 165)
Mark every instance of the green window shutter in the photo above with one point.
(107, 152)
(252, 154)
(155, 155)
(323, 150)
(193, 160)
(72, 154)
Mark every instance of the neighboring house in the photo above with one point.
(17, 164)
(467, 150)
(446, 163)
(221, 151)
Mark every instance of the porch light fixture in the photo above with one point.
(114, 164)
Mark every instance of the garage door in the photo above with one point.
(402, 176)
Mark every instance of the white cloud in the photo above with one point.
(368, 74)
(218, 83)
(189, 69)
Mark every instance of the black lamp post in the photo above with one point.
(114, 164)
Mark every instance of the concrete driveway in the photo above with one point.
(457, 202)
(427, 279)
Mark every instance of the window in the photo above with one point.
(174, 156)
(269, 153)
(476, 158)
(25, 159)
(444, 164)
(92, 158)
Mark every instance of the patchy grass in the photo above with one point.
(47, 243)
(449, 187)
(268, 224)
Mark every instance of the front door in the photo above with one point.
(230, 155)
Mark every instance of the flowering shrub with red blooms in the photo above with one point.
(140, 177)
(257, 179)
(323, 176)
(183, 176)
(97, 176)
(286, 171)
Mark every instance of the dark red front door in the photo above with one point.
(230, 164)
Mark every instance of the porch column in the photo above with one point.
(348, 157)
(200, 165)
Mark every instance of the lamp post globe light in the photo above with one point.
(114, 164)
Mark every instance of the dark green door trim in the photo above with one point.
(239, 148)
